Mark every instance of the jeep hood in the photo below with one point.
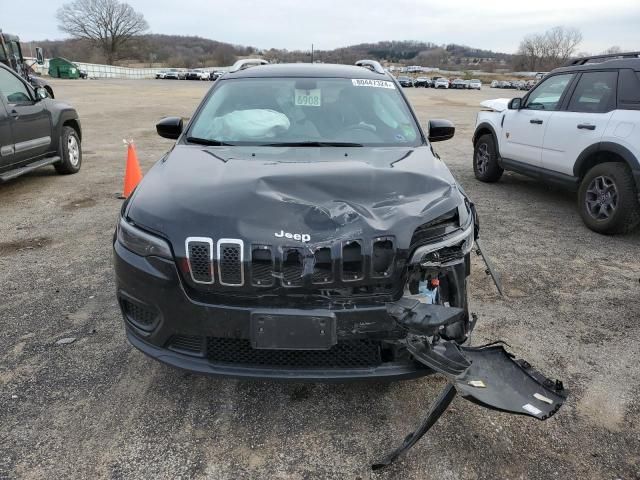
(329, 193)
(497, 104)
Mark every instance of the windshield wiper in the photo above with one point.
(312, 143)
(206, 141)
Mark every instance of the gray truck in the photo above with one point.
(11, 55)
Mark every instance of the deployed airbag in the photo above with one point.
(249, 124)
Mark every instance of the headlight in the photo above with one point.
(142, 243)
(446, 250)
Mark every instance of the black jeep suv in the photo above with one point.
(35, 130)
(302, 227)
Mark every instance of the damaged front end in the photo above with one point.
(434, 313)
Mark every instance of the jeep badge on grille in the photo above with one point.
(301, 237)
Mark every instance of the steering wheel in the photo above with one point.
(360, 126)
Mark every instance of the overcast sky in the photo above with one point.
(295, 24)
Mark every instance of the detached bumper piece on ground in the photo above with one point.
(488, 375)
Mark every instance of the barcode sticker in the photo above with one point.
(365, 82)
(531, 409)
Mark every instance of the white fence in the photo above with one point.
(95, 70)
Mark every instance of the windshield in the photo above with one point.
(305, 111)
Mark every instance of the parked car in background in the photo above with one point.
(214, 75)
(495, 84)
(11, 56)
(174, 74)
(504, 84)
(441, 83)
(424, 82)
(197, 74)
(405, 81)
(161, 74)
(475, 84)
(458, 83)
(35, 130)
(578, 128)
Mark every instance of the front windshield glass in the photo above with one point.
(322, 111)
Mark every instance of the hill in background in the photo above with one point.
(190, 51)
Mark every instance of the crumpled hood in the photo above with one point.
(252, 193)
(496, 104)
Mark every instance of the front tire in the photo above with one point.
(608, 200)
(70, 152)
(485, 160)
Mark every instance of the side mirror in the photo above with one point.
(41, 93)
(515, 103)
(39, 56)
(440, 130)
(169, 127)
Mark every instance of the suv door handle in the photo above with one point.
(14, 113)
(586, 126)
(537, 121)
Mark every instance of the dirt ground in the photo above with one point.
(98, 408)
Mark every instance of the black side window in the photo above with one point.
(12, 88)
(595, 93)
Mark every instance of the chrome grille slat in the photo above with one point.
(200, 259)
(230, 262)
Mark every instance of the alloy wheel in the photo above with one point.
(601, 198)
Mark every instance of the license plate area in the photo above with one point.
(315, 330)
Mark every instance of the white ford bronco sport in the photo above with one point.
(578, 128)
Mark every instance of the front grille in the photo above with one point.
(345, 354)
(292, 266)
(190, 344)
(230, 262)
(141, 316)
(200, 259)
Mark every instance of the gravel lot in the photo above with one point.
(99, 408)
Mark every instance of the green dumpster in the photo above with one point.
(62, 68)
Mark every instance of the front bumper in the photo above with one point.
(154, 285)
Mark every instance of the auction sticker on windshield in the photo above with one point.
(365, 82)
(308, 98)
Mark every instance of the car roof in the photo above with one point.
(615, 63)
(320, 70)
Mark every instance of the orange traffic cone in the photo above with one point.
(132, 174)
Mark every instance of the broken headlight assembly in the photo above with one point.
(446, 250)
(142, 243)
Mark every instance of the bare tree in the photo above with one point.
(532, 50)
(612, 50)
(550, 49)
(110, 24)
